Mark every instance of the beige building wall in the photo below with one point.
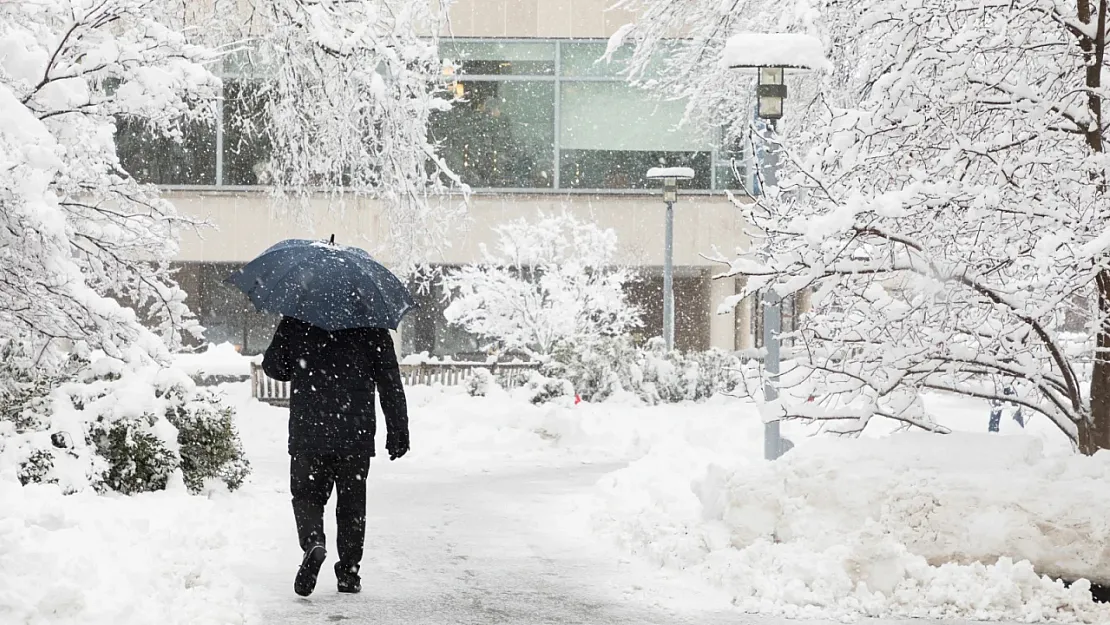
(535, 18)
(246, 223)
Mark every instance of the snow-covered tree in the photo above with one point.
(946, 196)
(341, 92)
(550, 281)
(77, 234)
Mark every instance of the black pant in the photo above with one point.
(311, 477)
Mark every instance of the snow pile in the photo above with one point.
(98, 560)
(217, 360)
(913, 525)
(448, 426)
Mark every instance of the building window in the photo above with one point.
(571, 120)
(611, 133)
(246, 153)
(543, 114)
(500, 134)
(500, 58)
(151, 157)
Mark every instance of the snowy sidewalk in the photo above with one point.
(483, 548)
(449, 544)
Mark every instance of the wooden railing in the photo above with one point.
(269, 390)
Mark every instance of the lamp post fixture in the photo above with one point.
(771, 54)
(670, 177)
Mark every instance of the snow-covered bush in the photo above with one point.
(550, 281)
(544, 389)
(480, 382)
(137, 459)
(208, 443)
(103, 425)
(614, 366)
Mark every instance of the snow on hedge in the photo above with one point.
(913, 525)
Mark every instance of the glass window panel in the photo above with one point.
(611, 133)
(500, 57)
(150, 157)
(500, 134)
(246, 143)
(625, 169)
(581, 59)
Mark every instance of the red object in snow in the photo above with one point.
(577, 400)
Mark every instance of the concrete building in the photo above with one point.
(541, 127)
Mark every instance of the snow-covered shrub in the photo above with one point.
(209, 445)
(138, 460)
(550, 281)
(544, 389)
(602, 369)
(109, 426)
(480, 382)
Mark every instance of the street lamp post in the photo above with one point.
(771, 54)
(771, 92)
(670, 177)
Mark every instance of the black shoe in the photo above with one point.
(348, 579)
(310, 569)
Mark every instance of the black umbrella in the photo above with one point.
(331, 286)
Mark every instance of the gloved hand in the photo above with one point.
(397, 444)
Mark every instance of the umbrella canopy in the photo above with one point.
(331, 286)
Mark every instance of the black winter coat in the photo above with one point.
(333, 375)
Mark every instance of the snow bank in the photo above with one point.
(449, 426)
(218, 360)
(100, 560)
(913, 525)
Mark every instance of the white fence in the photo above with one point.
(269, 390)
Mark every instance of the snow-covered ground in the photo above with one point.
(533, 514)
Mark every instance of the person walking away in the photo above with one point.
(332, 423)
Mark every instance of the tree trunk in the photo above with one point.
(1094, 431)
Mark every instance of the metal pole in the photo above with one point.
(772, 316)
(668, 280)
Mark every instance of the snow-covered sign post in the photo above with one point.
(771, 55)
(947, 202)
(670, 177)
